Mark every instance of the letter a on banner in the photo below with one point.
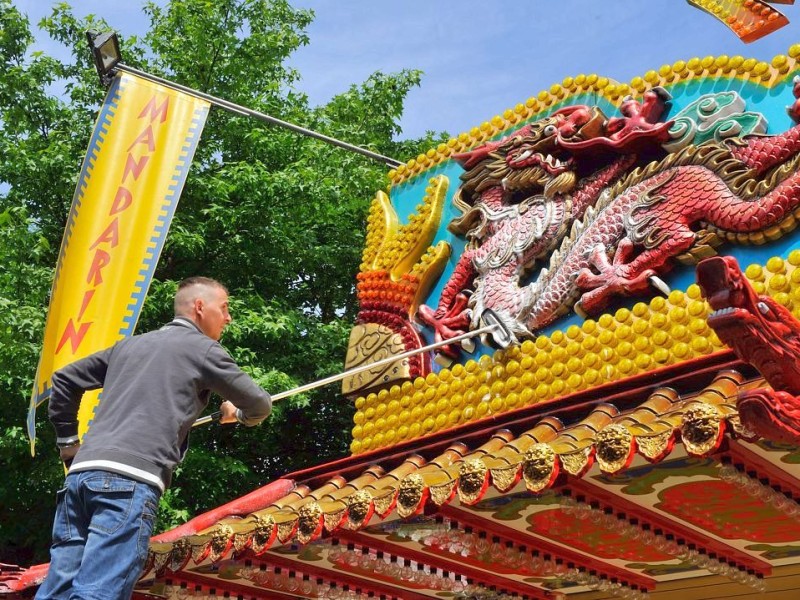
(127, 192)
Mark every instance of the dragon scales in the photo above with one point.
(520, 196)
(662, 213)
(634, 227)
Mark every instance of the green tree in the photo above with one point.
(278, 217)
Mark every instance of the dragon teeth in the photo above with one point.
(553, 162)
(524, 155)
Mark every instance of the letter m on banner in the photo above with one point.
(127, 192)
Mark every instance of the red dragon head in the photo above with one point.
(549, 155)
(532, 160)
(763, 333)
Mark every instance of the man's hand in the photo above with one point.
(228, 411)
(68, 453)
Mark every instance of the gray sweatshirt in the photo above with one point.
(155, 385)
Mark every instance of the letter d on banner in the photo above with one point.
(130, 182)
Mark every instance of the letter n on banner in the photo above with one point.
(130, 182)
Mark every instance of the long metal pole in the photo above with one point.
(249, 112)
(356, 370)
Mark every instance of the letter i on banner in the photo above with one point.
(130, 182)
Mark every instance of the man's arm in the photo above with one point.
(68, 386)
(252, 403)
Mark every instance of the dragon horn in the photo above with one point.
(662, 93)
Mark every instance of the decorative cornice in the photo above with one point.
(540, 456)
(558, 94)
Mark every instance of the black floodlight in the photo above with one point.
(105, 49)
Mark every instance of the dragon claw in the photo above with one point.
(660, 285)
(613, 277)
(447, 323)
(624, 252)
(580, 311)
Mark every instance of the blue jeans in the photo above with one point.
(101, 535)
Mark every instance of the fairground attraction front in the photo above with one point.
(624, 420)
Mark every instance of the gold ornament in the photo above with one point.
(505, 478)
(180, 555)
(443, 492)
(220, 542)
(700, 428)
(263, 533)
(739, 429)
(371, 342)
(286, 530)
(654, 446)
(538, 467)
(396, 253)
(409, 495)
(383, 504)
(240, 541)
(334, 519)
(199, 547)
(160, 559)
(613, 447)
(575, 462)
(309, 522)
(358, 508)
(472, 480)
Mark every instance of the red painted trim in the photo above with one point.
(340, 578)
(16, 579)
(619, 504)
(256, 500)
(544, 545)
(220, 585)
(739, 454)
(476, 575)
(688, 376)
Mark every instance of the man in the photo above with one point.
(154, 387)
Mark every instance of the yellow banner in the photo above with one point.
(129, 186)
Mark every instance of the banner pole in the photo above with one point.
(249, 112)
(494, 326)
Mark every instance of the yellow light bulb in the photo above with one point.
(661, 355)
(440, 422)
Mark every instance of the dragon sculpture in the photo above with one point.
(520, 195)
(627, 227)
(763, 333)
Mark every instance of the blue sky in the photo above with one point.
(481, 57)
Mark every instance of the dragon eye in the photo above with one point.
(550, 130)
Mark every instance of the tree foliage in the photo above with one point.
(278, 217)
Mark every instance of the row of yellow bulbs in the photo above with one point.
(631, 341)
(736, 66)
